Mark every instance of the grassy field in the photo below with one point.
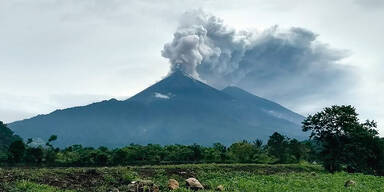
(236, 177)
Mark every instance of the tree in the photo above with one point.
(221, 150)
(278, 147)
(6, 137)
(16, 151)
(242, 152)
(119, 157)
(51, 152)
(215, 154)
(364, 150)
(258, 144)
(299, 150)
(51, 138)
(34, 155)
(345, 142)
(197, 152)
(99, 157)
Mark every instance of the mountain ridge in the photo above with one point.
(176, 110)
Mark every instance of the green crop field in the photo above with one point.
(235, 177)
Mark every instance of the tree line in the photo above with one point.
(279, 149)
(338, 140)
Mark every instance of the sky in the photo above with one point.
(56, 54)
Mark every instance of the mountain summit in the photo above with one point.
(178, 109)
(179, 85)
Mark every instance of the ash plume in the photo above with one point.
(203, 42)
(281, 62)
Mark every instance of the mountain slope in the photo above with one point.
(177, 109)
(269, 107)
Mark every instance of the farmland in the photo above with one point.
(234, 177)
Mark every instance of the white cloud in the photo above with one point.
(161, 96)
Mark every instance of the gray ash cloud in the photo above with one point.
(277, 63)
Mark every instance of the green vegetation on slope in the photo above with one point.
(7, 137)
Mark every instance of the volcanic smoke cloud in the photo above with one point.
(275, 61)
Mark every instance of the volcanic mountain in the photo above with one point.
(177, 110)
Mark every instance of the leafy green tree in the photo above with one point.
(153, 153)
(215, 154)
(197, 152)
(178, 153)
(221, 150)
(99, 157)
(261, 153)
(51, 139)
(3, 157)
(50, 153)
(299, 150)
(119, 157)
(6, 137)
(242, 152)
(364, 150)
(34, 155)
(70, 156)
(258, 144)
(278, 146)
(345, 142)
(16, 152)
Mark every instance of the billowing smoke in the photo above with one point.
(275, 62)
(202, 45)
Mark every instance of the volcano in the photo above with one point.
(177, 110)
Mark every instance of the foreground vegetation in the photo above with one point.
(234, 177)
(338, 141)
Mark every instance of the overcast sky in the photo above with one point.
(63, 53)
